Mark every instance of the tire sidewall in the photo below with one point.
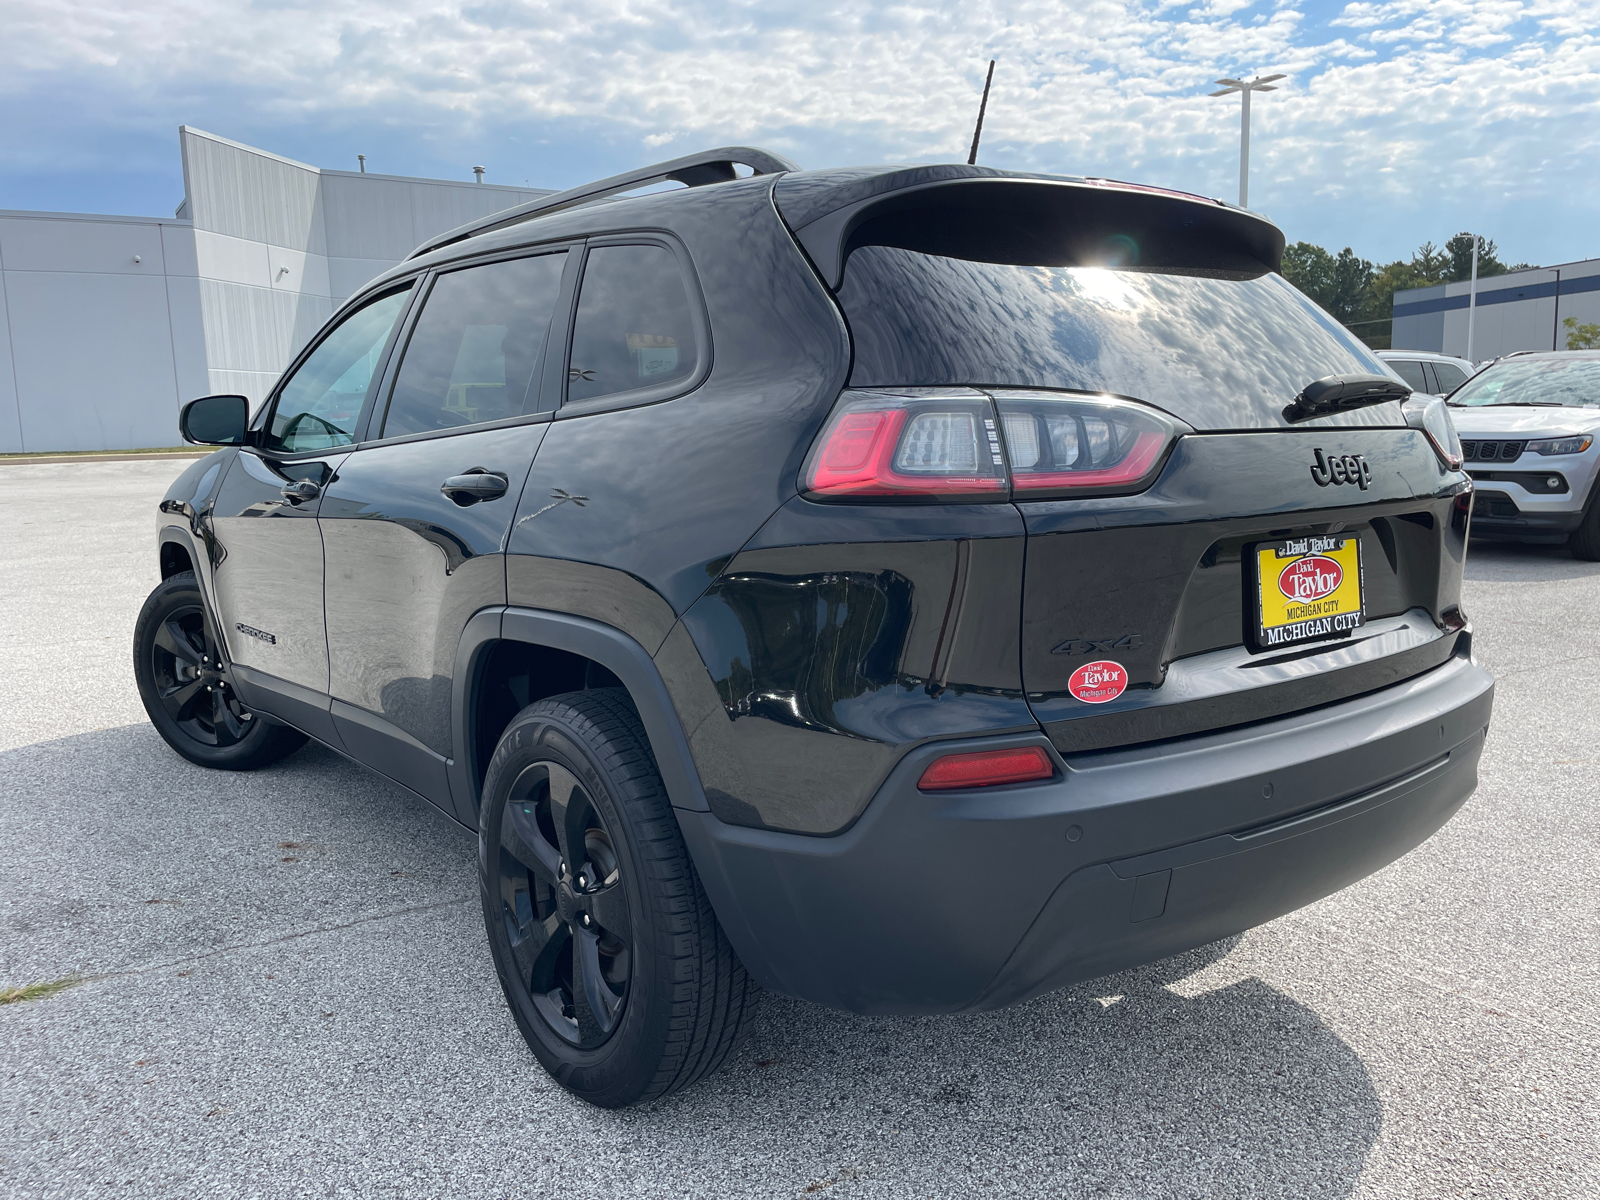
(620, 1069)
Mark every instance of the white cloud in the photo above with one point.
(1108, 86)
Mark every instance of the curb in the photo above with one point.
(33, 460)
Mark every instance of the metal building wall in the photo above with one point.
(101, 331)
(111, 323)
(281, 244)
(1522, 310)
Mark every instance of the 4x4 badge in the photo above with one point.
(1128, 641)
(1341, 468)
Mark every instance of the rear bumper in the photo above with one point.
(977, 900)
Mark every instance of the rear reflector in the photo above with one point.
(985, 768)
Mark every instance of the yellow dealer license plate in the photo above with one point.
(1307, 589)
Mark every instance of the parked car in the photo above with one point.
(1531, 424)
(912, 589)
(1431, 374)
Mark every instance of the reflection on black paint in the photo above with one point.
(806, 642)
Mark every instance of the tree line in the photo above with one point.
(1361, 295)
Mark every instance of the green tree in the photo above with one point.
(1459, 249)
(1581, 337)
(1339, 283)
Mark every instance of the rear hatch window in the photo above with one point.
(1217, 352)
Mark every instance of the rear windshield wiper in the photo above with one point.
(1343, 393)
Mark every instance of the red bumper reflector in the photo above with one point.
(985, 768)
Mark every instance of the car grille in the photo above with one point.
(1495, 504)
(1492, 451)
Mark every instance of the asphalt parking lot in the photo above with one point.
(285, 992)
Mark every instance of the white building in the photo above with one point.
(1522, 310)
(111, 323)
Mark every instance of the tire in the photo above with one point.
(186, 687)
(620, 979)
(1584, 541)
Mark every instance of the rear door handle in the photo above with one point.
(477, 484)
(300, 490)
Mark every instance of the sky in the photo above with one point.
(1399, 122)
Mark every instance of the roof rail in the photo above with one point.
(692, 170)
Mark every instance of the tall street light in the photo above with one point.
(1229, 86)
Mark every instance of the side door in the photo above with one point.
(267, 573)
(416, 520)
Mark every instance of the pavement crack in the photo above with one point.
(280, 939)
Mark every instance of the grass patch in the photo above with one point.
(36, 991)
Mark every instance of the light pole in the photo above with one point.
(1472, 297)
(1229, 86)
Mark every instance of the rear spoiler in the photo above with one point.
(987, 216)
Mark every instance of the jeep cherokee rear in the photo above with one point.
(961, 583)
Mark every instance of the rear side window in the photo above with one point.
(1411, 372)
(635, 330)
(1191, 343)
(1450, 376)
(476, 351)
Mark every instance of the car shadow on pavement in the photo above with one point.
(1500, 560)
(1176, 1079)
(1121, 1086)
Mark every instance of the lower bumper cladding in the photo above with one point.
(971, 900)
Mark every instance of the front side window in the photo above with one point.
(1411, 372)
(320, 404)
(478, 347)
(634, 328)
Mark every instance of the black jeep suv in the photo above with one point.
(907, 588)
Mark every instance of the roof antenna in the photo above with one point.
(362, 159)
(978, 132)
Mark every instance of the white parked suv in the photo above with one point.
(1436, 374)
(1529, 426)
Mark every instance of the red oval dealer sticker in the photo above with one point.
(1310, 578)
(1098, 682)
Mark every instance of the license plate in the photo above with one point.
(1307, 589)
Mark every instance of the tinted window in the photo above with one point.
(1189, 343)
(634, 327)
(317, 409)
(1536, 381)
(476, 350)
(1450, 377)
(1411, 371)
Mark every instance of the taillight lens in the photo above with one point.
(1431, 415)
(987, 768)
(879, 445)
(955, 444)
(1082, 445)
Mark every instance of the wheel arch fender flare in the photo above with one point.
(611, 648)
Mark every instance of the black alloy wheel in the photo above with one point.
(564, 904)
(191, 683)
(186, 688)
(612, 962)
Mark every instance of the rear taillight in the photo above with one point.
(1431, 415)
(987, 768)
(962, 445)
(903, 446)
(1082, 445)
